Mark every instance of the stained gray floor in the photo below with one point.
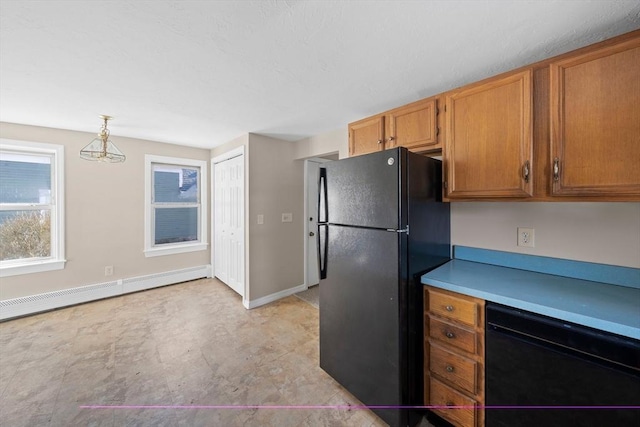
(171, 357)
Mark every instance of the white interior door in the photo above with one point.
(229, 222)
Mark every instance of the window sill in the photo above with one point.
(175, 249)
(31, 267)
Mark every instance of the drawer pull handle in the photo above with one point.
(449, 334)
(449, 368)
(449, 308)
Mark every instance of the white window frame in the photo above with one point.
(56, 206)
(152, 250)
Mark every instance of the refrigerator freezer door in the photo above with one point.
(361, 312)
(364, 191)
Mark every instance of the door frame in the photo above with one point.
(236, 152)
(318, 161)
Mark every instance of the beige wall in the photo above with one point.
(234, 143)
(333, 142)
(104, 214)
(607, 233)
(274, 185)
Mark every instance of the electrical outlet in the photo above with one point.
(526, 237)
(108, 270)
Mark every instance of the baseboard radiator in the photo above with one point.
(57, 299)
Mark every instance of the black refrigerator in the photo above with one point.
(382, 224)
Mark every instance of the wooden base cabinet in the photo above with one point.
(454, 356)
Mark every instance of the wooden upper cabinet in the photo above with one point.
(488, 144)
(413, 126)
(366, 136)
(595, 122)
(577, 113)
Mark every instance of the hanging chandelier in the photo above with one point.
(102, 149)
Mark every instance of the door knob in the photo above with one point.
(311, 233)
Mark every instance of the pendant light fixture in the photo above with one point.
(102, 149)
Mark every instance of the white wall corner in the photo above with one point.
(249, 304)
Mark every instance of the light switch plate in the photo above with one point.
(287, 217)
(260, 219)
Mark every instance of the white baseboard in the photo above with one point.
(51, 300)
(249, 304)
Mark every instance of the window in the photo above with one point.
(31, 207)
(175, 214)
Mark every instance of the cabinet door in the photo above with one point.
(489, 139)
(366, 136)
(595, 122)
(413, 127)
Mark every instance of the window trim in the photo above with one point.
(57, 259)
(151, 250)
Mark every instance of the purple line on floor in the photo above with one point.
(352, 407)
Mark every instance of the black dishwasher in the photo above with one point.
(542, 371)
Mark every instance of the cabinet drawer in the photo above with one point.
(452, 405)
(453, 308)
(457, 370)
(453, 335)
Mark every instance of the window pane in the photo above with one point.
(25, 234)
(25, 178)
(175, 184)
(176, 225)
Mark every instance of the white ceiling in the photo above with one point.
(201, 73)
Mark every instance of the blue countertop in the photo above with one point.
(604, 306)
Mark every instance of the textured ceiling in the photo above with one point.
(201, 73)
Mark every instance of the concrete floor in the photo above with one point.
(171, 357)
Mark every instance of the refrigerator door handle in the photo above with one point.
(404, 230)
(323, 208)
(322, 250)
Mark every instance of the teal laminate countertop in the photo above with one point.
(604, 306)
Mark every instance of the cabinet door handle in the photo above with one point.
(379, 141)
(556, 169)
(449, 308)
(525, 171)
(449, 334)
(449, 368)
(390, 139)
